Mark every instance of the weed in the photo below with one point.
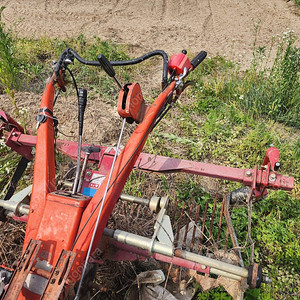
(9, 65)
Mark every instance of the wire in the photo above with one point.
(74, 81)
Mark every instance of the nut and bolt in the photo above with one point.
(248, 173)
(272, 177)
(88, 173)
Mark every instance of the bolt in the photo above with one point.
(88, 173)
(272, 177)
(248, 173)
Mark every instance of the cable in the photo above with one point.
(74, 81)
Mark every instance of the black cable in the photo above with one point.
(74, 81)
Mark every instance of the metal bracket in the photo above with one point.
(162, 227)
(22, 270)
(59, 275)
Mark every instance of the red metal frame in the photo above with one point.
(161, 164)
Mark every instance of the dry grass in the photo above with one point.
(11, 241)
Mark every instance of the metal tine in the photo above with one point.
(220, 220)
(212, 222)
(195, 226)
(132, 208)
(174, 212)
(226, 239)
(187, 225)
(179, 222)
(125, 214)
(138, 212)
(203, 225)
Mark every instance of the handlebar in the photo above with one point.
(198, 59)
(71, 54)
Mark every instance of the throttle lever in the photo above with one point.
(108, 68)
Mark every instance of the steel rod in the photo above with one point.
(134, 199)
(216, 266)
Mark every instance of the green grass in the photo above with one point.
(230, 117)
(36, 62)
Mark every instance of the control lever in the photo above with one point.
(108, 68)
(87, 151)
(82, 99)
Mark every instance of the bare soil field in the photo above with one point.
(221, 27)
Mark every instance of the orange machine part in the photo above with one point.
(123, 166)
(44, 166)
(56, 218)
(131, 103)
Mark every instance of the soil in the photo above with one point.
(221, 27)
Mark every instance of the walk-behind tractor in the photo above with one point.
(71, 225)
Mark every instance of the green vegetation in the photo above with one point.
(230, 117)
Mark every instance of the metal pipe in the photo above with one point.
(217, 267)
(86, 157)
(77, 165)
(23, 209)
(134, 199)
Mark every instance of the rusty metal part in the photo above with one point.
(22, 270)
(187, 225)
(195, 226)
(212, 221)
(249, 201)
(59, 275)
(236, 247)
(226, 239)
(255, 277)
(179, 222)
(203, 224)
(220, 221)
(175, 207)
(217, 267)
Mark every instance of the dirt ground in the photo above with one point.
(221, 27)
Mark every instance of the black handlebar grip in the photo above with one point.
(198, 59)
(106, 65)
